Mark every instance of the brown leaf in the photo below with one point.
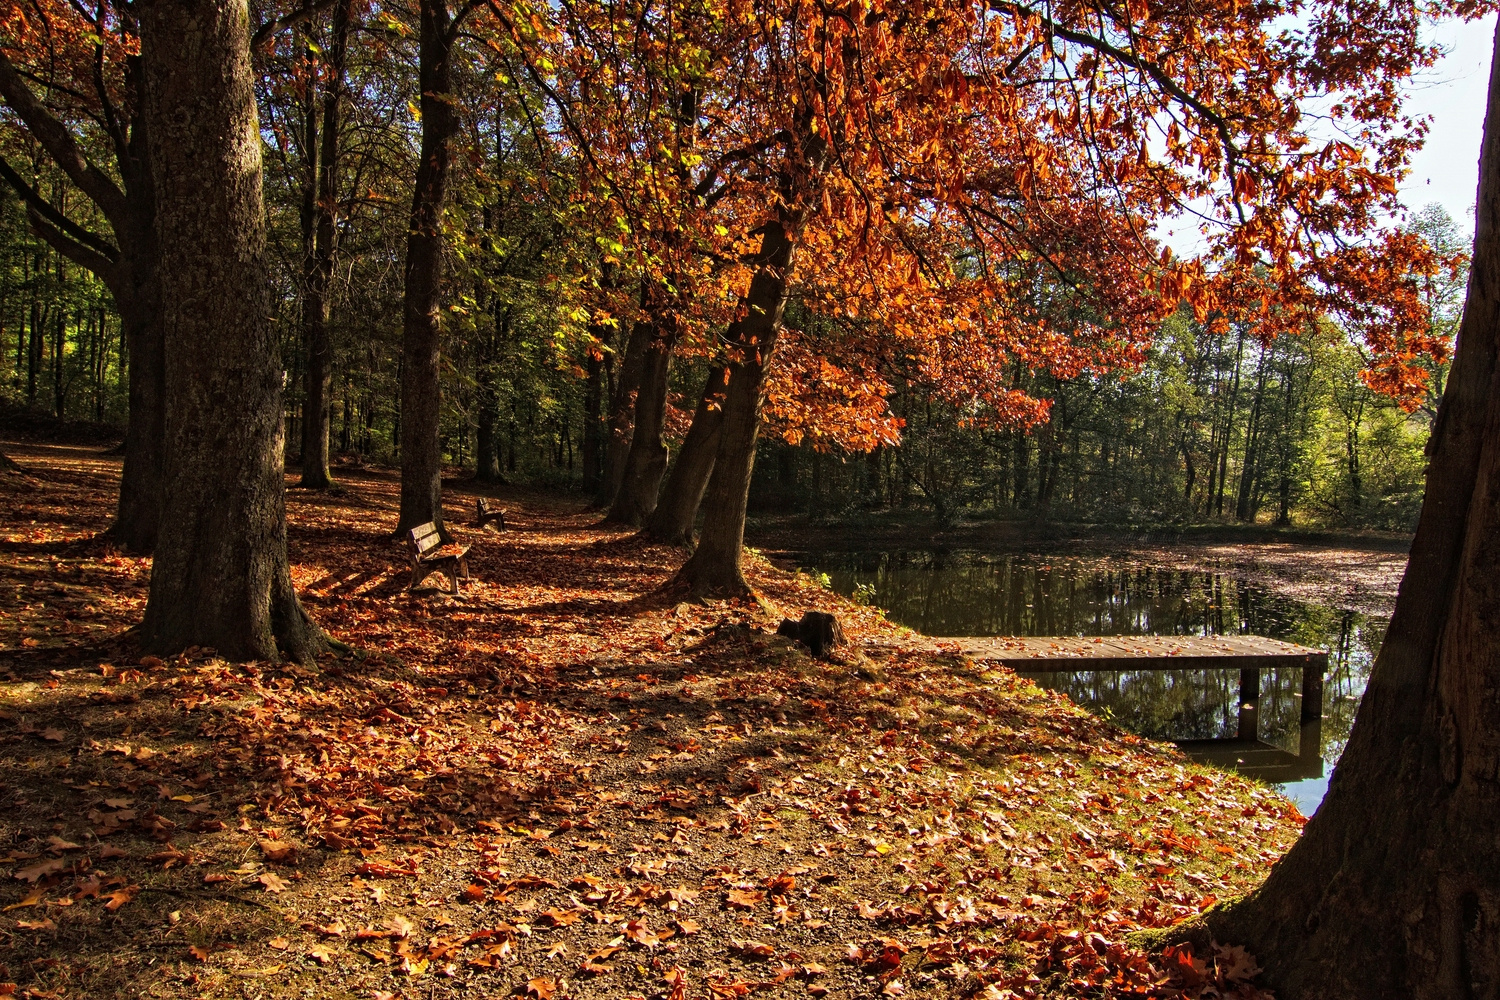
(278, 851)
(560, 918)
(744, 899)
(40, 870)
(751, 949)
(32, 899)
(540, 988)
(199, 952)
(120, 897)
(272, 883)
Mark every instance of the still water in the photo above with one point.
(984, 594)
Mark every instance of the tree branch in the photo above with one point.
(277, 25)
(61, 146)
(36, 204)
(79, 254)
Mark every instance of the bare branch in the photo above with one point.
(59, 143)
(38, 205)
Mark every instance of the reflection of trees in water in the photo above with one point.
(967, 593)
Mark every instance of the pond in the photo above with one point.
(966, 593)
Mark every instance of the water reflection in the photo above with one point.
(981, 594)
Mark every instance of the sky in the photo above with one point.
(1446, 171)
(1452, 93)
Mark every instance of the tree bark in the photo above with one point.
(672, 521)
(622, 413)
(715, 568)
(646, 461)
(421, 340)
(318, 381)
(220, 577)
(1394, 888)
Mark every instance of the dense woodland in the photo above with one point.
(1207, 421)
(1209, 426)
(531, 239)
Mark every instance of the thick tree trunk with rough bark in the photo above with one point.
(646, 461)
(1394, 888)
(220, 577)
(672, 521)
(715, 567)
(421, 340)
(622, 413)
(316, 406)
(138, 513)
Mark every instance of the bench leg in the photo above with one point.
(417, 576)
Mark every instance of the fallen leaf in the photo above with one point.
(45, 924)
(272, 883)
(55, 735)
(199, 952)
(540, 988)
(751, 949)
(120, 897)
(40, 870)
(32, 899)
(744, 899)
(278, 851)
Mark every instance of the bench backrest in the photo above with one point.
(425, 538)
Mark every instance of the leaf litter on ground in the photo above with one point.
(562, 782)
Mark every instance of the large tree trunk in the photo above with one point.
(138, 513)
(672, 521)
(646, 461)
(220, 577)
(421, 340)
(1394, 888)
(714, 569)
(622, 412)
(316, 406)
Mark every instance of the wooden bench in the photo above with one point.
(485, 514)
(429, 555)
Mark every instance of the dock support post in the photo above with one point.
(1249, 703)
(1310, 739)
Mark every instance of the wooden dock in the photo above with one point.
(1245, 752)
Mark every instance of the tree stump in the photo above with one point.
(818, 631)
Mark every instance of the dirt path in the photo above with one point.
(561, 784)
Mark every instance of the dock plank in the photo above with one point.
(1049, 654)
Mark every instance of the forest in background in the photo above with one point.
(1209, 427)
(1212, 419)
